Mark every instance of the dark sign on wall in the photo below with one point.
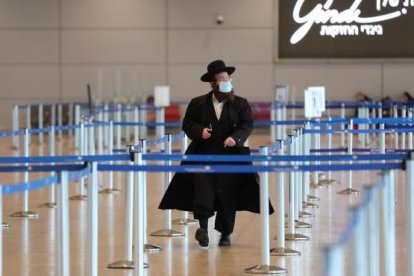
(346, 29)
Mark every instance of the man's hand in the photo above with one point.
(206, 133)
(229, 142)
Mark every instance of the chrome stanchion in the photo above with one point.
(77, 130)
(329, 180)
(410, 134)
(139, 219)
(150, 248)
(358, 248)
(333, 257)
(387, 230)
(168, 231)
(71, 119)
(52, 114)
(342, 125)
(284, 119)
(307, 184)
(136, 127)
(184, 220)
(29, 118)
(349, 190)
(279, 134)
(315, 175)
(273, 119)
(304, 179)
(41, 118)
(390, 192)
(281, 249)
(62, 228)
(60, 120)
(93, 208)
(107, 138)
(15, 124)
(127, 262)
(396, 136)
(52, 201)
(118, 119)
(265, 267)
(100, 134)
(371, 232)
(298, 182)
(292, 235)
(26, 213)
(160, 118)
(127, 129)
(110, 189)
(368, 135)
(410, 215)
(82, 148)
(143, 119)
(360, 135)
(404, 115)
(1, 231)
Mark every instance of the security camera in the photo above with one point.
(219, 19)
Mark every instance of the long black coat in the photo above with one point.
(234, 191)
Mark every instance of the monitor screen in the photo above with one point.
(346, 29)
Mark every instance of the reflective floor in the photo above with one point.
(29, 245)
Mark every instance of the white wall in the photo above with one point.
(50, 50)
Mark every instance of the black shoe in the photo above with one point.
(201, 236)
(225, 240)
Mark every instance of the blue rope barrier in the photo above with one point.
(273, 158)
(33, 185)
(249, 168)
(357, 131)
(12, 133)
(64, 158)
(40, 168)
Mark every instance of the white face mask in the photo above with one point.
(225, 86)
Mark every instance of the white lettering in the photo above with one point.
(335, 30)
(372, 29)
(322, 14)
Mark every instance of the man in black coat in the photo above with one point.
(217, 123)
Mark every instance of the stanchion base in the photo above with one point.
(303, 214)
(349, 191)
(313, 198)
(328, 182)
(296, 237)
(150, 248)
(110, 191)
(316, 185)
(265, 269)
(282, 251)
(124, 265)
(309, 205)
(25, 214)
(48, 205)
(78, 197)
(300, 224)
(5, 225)
(167, 233)
(183, 221)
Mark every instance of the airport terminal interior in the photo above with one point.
(104, 103)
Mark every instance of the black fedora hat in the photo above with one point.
(216, 67)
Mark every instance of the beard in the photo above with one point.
(220, 96)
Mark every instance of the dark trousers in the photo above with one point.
(208, 198)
